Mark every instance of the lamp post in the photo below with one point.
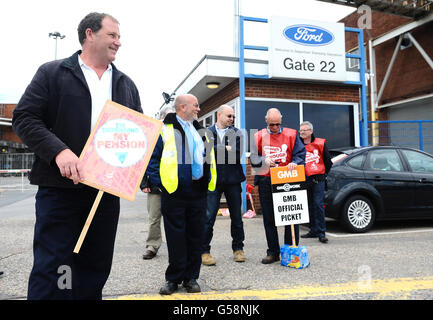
(55, 35)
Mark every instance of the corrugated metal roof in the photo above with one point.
(415, 9)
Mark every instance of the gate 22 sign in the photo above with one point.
(311, 50)
(289, 196)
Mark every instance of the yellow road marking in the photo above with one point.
(384, 288)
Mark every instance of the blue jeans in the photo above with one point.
(316, 191)
(271, 231)
(233, 196)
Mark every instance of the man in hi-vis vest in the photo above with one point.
(274, 146)
(317, 165)
(183, 166)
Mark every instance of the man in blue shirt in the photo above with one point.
(178, 166)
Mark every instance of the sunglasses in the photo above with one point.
(231, 116)
(274, 124)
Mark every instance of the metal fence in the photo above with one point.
(406, 133)
(15, 161)
(14, 169)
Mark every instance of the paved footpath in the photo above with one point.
(391, 262)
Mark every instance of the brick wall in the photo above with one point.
(9, 108)
(380, 24)
(300, 91)
(7, 133)
(411, 75)
(282, 90)
(279, 90)
(227, 94)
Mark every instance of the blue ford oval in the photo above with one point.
(308, 35)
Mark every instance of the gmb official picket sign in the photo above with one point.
(289, 196)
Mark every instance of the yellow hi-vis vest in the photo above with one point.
(168, 165)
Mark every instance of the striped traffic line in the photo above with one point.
(396, 288)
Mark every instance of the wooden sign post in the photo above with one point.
(290, 200)
(88, 221)
(116, 155)
(289, 194)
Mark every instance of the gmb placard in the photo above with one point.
(118, 150)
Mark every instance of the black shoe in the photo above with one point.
(323, 239)
(149, 255)
(168, 288)
(308, 235)
(191, 286)
(270, 259)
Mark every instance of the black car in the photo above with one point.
(367, 184)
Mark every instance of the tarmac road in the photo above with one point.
(393, 261)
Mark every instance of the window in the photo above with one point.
(208, 121)
(418, 162)
(210, 118)
(334, 122)
(384, 160)
(353, 63)
(255, 112)
(357, 161)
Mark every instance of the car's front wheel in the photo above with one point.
(358, 214)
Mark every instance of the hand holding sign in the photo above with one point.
(289, 196)
(116, 154)
(290, 207)
(68, 164)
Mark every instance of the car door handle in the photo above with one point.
(377, 178)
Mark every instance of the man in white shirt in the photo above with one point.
(54, 118)
(100, 88)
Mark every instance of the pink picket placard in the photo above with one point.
(118, 150)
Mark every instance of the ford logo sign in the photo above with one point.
(308, 35)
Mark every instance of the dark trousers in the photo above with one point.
(57, 272)
(316, 191)
(184, 215)
(271, 231)
(233, 196)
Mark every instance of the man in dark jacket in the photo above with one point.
(228, 145)
(54, 118)
(182, 165)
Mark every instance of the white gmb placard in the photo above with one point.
(290, 207)
(305, 49)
